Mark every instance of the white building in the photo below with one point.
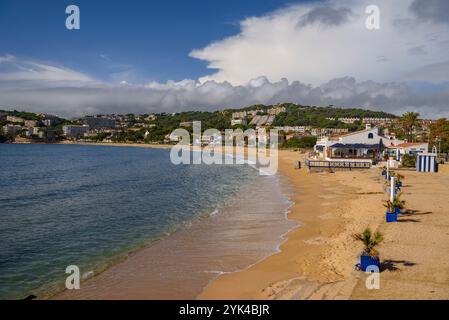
(276, 110)
(408, 148)
(296, 129)
(235, 122)
(14, 119)
(30, 123)
(12, 129)
(32, 131)
(366, 144)
(320, 132)
(348, 120)
(239, 115)
(253, 113)
(73, 131)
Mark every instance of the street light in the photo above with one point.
(438, 139)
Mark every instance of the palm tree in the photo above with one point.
(409, 120)
(370, 241)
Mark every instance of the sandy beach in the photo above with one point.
(317, 260)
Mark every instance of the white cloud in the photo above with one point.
(318, 41)
(210, 95)
(19, 70)
(7, 58)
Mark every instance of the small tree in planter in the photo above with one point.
(399, 178)
(384, 171)
(369, 256)
(394, 208)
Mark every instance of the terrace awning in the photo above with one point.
(357, 146)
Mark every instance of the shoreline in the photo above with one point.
(255, 239)
(316, 257)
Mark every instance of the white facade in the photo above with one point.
(365, 138)
(235, 122)
(14, 119)
(12, 129)
(298, 129)
(408, 148)
(74, 131)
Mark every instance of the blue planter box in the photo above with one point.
(366, 261)
(389, 178)
(392, 216)
(384, 173)
(399, 184)
(397, 211)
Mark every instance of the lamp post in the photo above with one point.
(392, 188)
(438, 139)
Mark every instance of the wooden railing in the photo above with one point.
(337, 164)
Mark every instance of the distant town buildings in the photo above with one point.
(74, 131)
(151, 117)
(12, 129)
(320, 132)
(293, 129)
(276, 111)
(99, 122)
(31, 123)
(51, 122)
(186, 124)
(374, 121)
(378, 121)
(252, 113)
(235, 122)
(14, 119)
(239, 115)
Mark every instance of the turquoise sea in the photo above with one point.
(90, 206)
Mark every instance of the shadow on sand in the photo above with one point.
(392, 265)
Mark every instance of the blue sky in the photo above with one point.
(174, 55)
(148, 40)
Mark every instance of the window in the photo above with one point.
(370, 135)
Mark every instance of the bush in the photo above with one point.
(301, 143)
(409, 160)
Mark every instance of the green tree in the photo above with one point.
(409, 121)
(439, 134)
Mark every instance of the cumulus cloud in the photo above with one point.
(211, 95)
(431, 10)
(293, 43)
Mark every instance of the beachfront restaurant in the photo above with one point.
(355, 151)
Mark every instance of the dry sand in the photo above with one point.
(317, 260)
